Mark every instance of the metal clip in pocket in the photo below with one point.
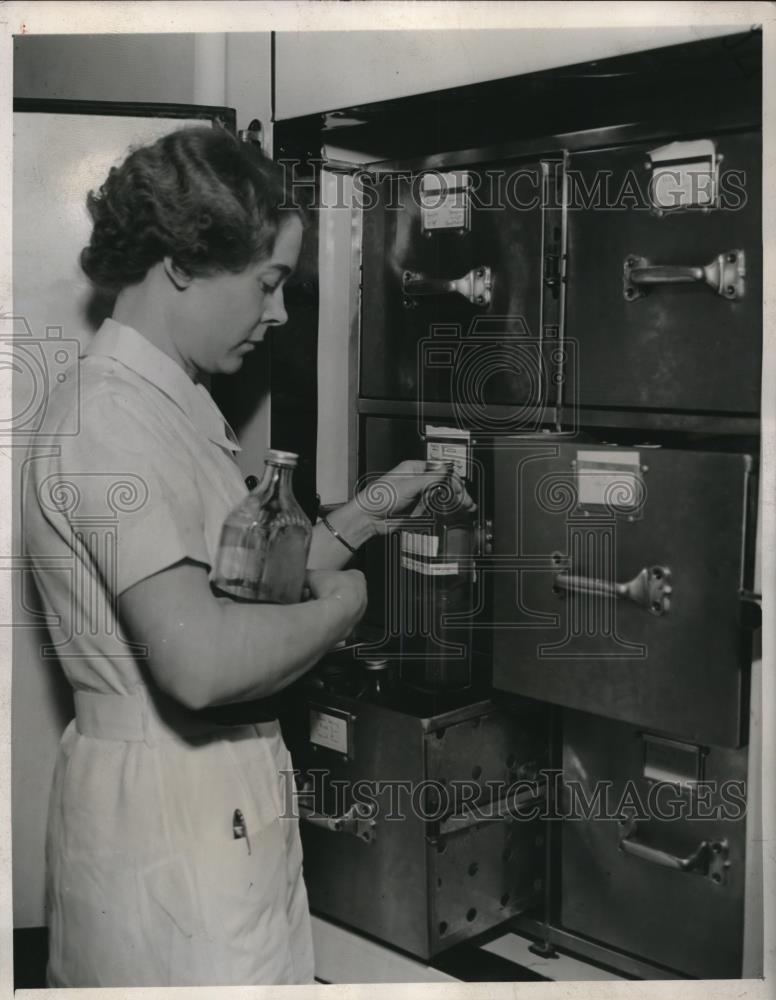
(240, 828)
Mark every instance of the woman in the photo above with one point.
(168, 862)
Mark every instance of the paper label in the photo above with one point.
(449, 444)
(330, 731)
(429, 568)
(446, 452)
(416, 544)
(444, 201)
(609, 479)
(684, 175)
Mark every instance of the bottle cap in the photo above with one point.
(381, 664)
(289, 458)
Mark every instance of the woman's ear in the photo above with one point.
(181, 279)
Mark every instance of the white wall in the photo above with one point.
(322, 71)
(160, 68)
(248, 79)
(105, 67)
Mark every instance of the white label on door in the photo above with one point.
(449, 444)
(609, 479)
(330, 731)
(684, 175)
(429, 568)
(415, 544)
(444, 201)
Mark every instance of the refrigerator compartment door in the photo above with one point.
(571, 524)
(674, 344)
(452, 311)
(685, 917)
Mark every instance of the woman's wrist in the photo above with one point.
(352, 523)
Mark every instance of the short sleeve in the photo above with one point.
(125, 491)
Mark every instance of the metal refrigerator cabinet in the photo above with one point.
(418, 876)
(470, 258)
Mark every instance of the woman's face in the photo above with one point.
(227, 314)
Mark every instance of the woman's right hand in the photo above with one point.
(345, 586)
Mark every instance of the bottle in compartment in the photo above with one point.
(436, 583)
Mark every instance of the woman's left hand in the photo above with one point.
(398, 491)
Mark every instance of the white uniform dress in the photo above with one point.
(149, 880)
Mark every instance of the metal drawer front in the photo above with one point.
(675, 342)
(690, 921)
(348, 878)
(617, 583)
(492, 250)
(422, 879)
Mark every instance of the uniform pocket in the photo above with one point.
(244, 898)
(243, 872)
(171, 921)
(238, 870)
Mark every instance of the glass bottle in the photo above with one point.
(437, 581)
(265, 540)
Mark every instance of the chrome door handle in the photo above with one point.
(725, 274)
(650, 589)
(358, 821)
(710, 858)
(475, 286)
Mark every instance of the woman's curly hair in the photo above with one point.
(198, 196)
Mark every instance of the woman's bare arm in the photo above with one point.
(353, 524)
(204, 650)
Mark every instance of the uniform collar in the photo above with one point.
(132, 349)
